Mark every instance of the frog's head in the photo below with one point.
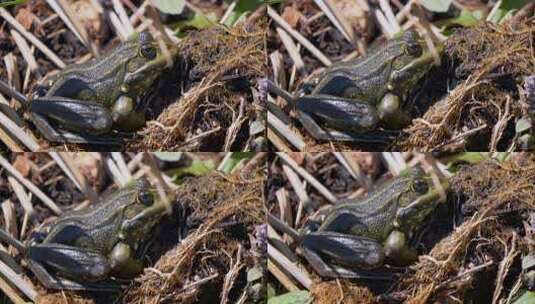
(145, 64)
(414, 205)
(413, 60)
(144, 211)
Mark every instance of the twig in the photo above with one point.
(311, 179)
(353, 168)
(123, 17)
(43, 48)
(63, 10)
(18, 132)
(233, 129)
(65, 162)
(23, 197)
(282, 129)
(278, 142)
(18, 281)
(300, 191)
(116, 174)
(291, 48)
(121, 164)
(297, 36)
(24, 49)
(45, 199)
(394, 161)
(336, 18)
(200, 135)
(289, 267)
(505, 264)
(281, 276)
(228, 12)
(10, 292)
(231, 276)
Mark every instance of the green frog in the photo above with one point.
(84, 248)
(354, 98)
(89, 100)
(357, 236)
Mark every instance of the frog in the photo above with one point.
(83, 249)
(89, 100)
(353, 99)
(357, 236)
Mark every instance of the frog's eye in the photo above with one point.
(420, 186)
(148, 51)
(145, 197)
(414, 49)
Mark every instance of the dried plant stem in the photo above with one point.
(43, 197)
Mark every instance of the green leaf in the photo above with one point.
(527, 298)
(523, 124)
(230, 163)
(466, 18)
(504, 9)
(4, 3)
(196, 21)
(168, 156)
(294, 297)
(173, 7)
(241, 10)
(197, 168)
(437, 6)
(464, 157)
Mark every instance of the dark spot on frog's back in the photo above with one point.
(343, 222)
(71, 88)
(337, 85)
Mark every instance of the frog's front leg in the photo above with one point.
(349, 256)
(123, 262)
(391, 113)
(125, 116)
(353, 120)
(397, 249)
(89, 119)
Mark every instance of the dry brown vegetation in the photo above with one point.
(494, 59)
(471, 247)
(213, 111)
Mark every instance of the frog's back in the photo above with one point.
(372, 216)
(101, 76)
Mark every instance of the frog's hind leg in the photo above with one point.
(52, 135)
(310, 124)
(71, 262)
(343, 249)
(53, 282)
(88, 118)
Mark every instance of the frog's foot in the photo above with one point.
(343, 249)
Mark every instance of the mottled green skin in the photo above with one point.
(97, 235)
(357, 235)
(386, 68)
(362, 94)
(377, 215)
(103, 79)
(93, 98)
